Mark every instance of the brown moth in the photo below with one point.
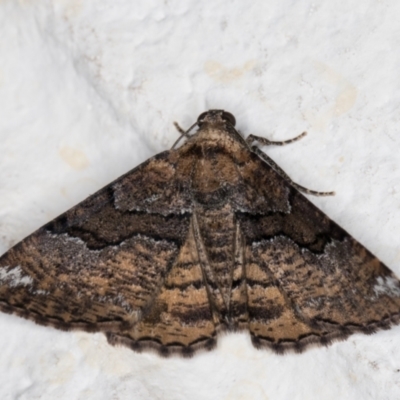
(211, 236)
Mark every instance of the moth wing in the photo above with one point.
(100, 265)
(181, 320)
(308, 280)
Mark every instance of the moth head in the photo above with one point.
(215, 117)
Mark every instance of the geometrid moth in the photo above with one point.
(205, 237)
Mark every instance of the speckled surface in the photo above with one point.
(88, 90)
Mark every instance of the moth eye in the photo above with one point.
(229, 118)
(226, 116)
(201, 117)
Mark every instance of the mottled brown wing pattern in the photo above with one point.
(100, 265)
(181, 319)
(309, 281)
(198, 240)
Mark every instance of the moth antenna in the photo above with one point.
(183, 133)
(266, 142)
(284, 175)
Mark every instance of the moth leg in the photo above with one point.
(178, 127)
(252, 138)
(284, 175)
(182, 132)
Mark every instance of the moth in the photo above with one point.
(207, 237)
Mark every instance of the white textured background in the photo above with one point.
(89, 89)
